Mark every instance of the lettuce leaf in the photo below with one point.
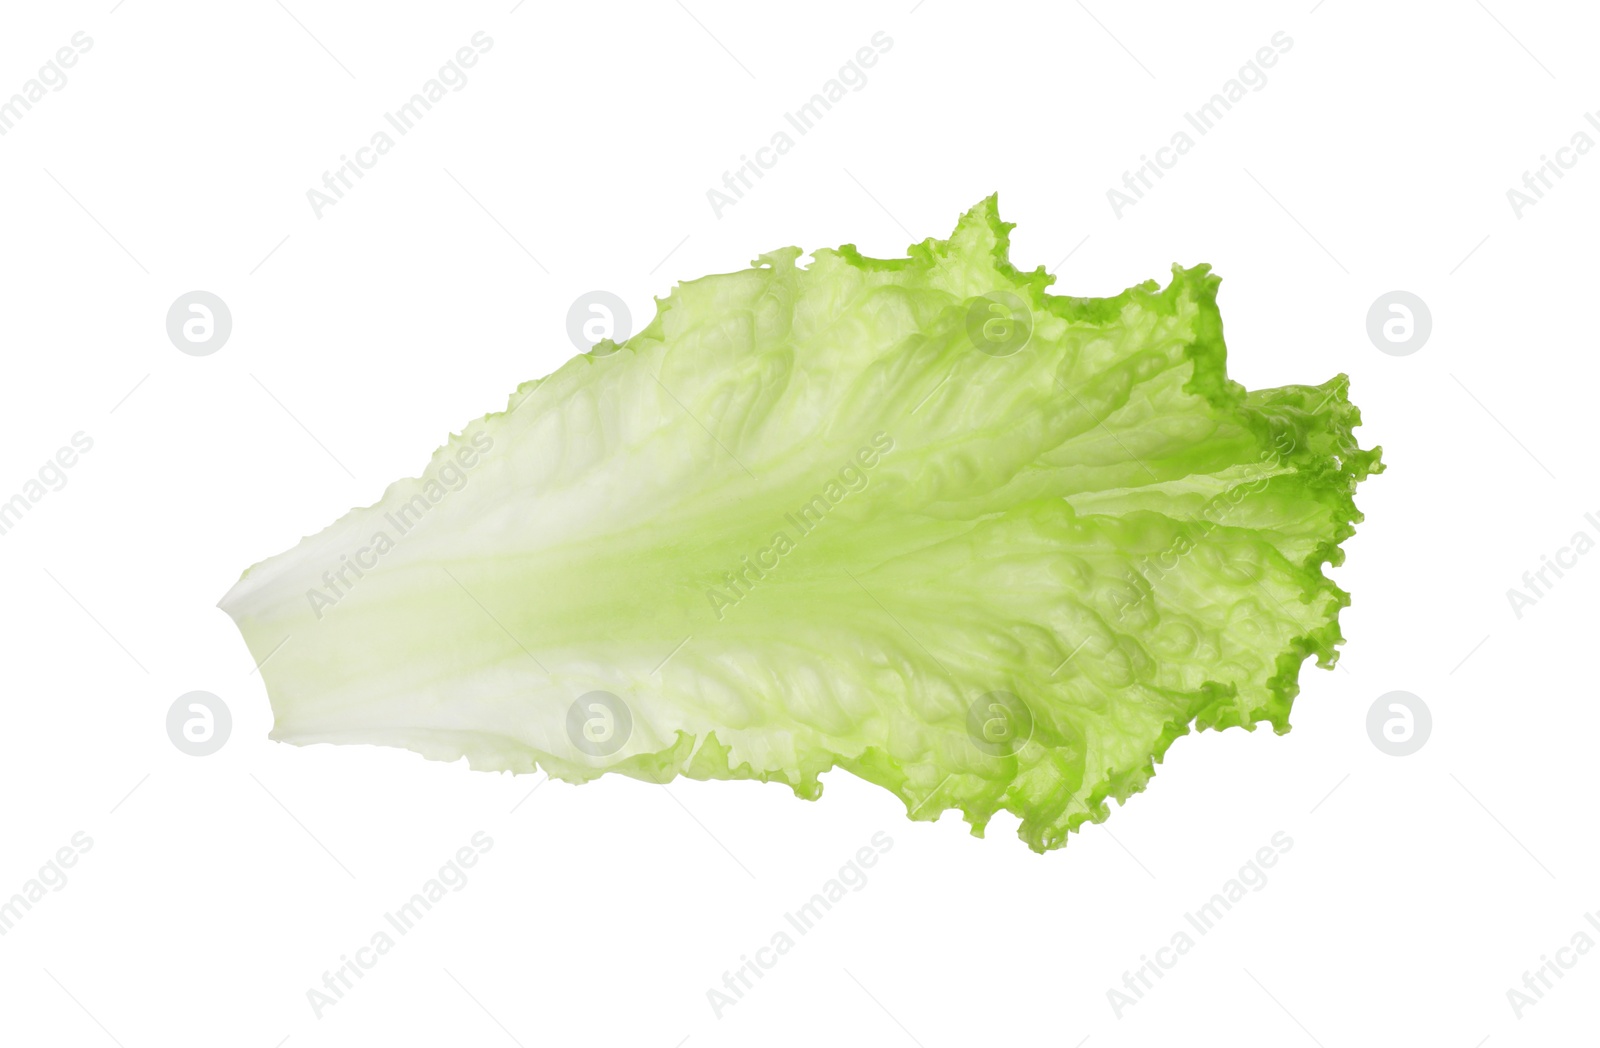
(985, 546)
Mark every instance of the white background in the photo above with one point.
(218, 891)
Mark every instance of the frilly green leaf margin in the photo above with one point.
(1289, 454)
(1329, 462)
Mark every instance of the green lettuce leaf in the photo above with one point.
(987, 547)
